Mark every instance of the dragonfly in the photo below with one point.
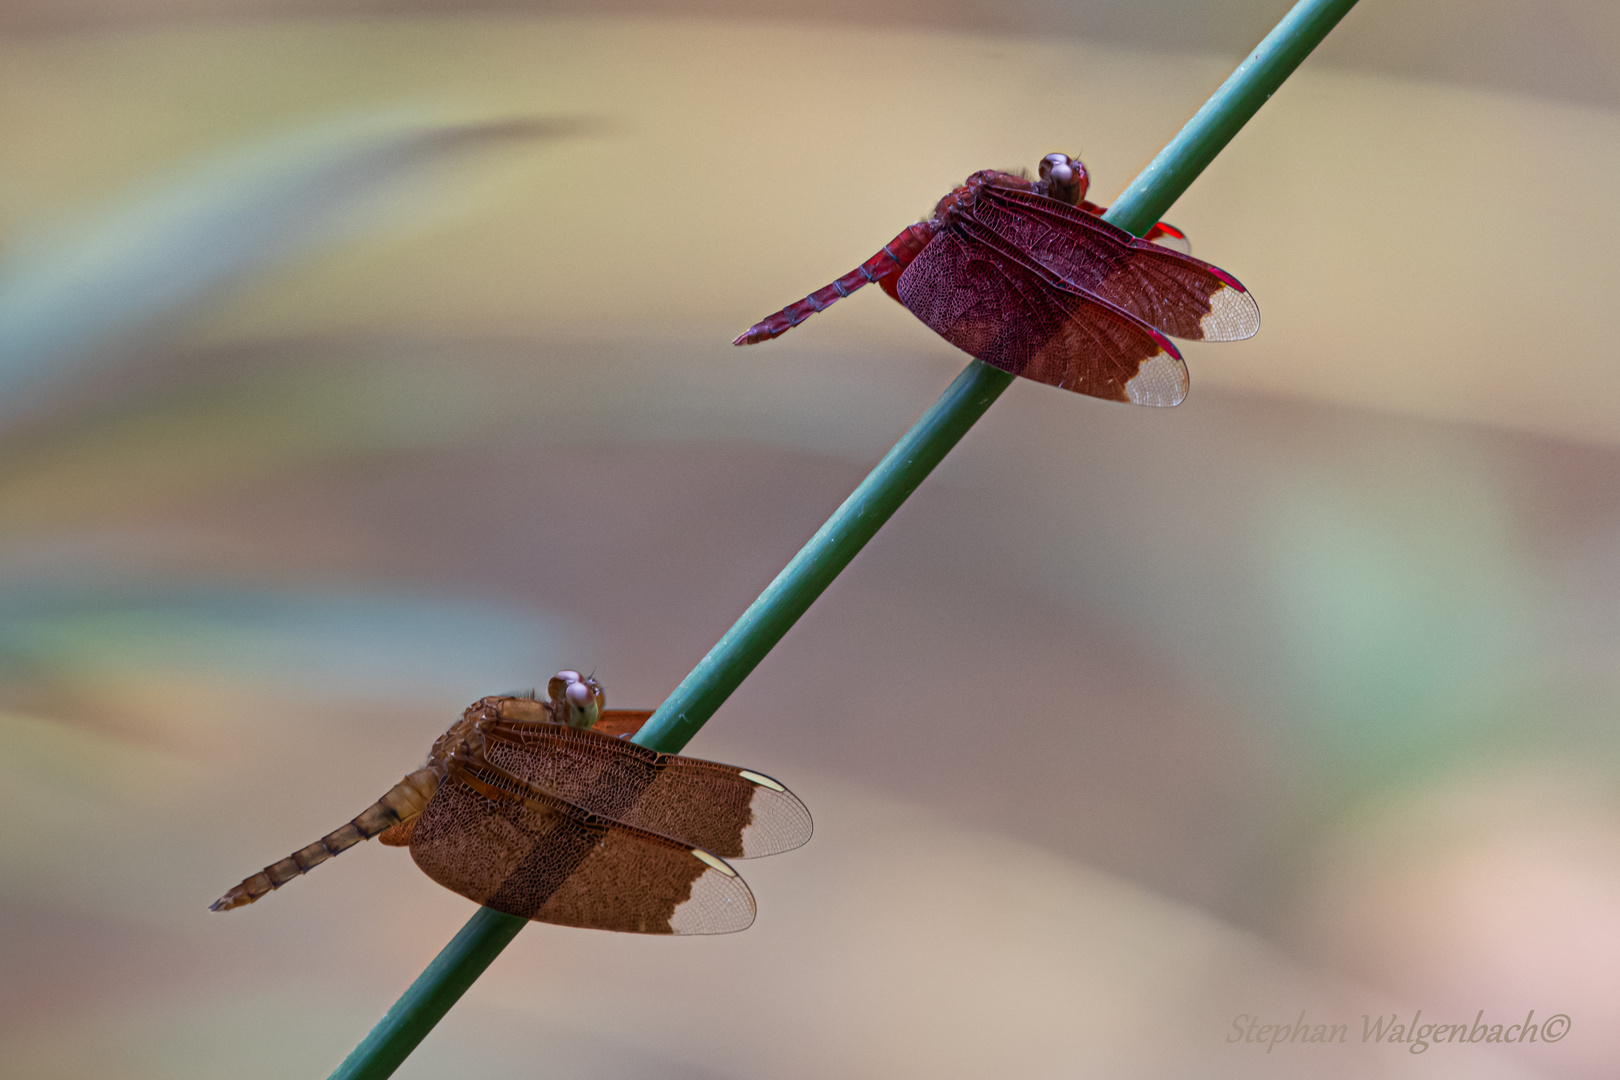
(1026, 276)
(544, 809)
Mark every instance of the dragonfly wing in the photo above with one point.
(729, 811)
(507, 846)
(1171, 291)
(621, 723)
(984, 298)
(398, 835)
(1175, 241)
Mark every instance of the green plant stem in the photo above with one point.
(824, 557)
(1225, 113)
(458, 965)
(855, 522)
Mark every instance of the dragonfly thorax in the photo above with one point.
(1063, 178)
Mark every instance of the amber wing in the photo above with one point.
(1171, 291)
(980, 293)
(622, 723)
(725, 810)
(495, 839)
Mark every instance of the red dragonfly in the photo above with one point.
(546, 810)
(1026, 276)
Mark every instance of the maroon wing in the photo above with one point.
(983, 296)
(729, 811)
(1170, 291)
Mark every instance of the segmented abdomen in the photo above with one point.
(404, 801)
(886, 264)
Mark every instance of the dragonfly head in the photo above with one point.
(1065, 178)
(578, 698)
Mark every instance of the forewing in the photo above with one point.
(551, 861)
(1171, 291)
(977, 293)
(729, 811)
(1175, 241)
(622, 723)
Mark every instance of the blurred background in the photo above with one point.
(361, 359)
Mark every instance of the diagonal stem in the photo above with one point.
(855, 522)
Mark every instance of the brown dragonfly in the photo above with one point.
(546, 810)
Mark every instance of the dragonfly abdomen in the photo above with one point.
(403, 802)
(885, 265)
